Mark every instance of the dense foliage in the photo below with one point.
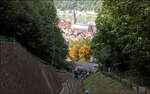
(80, 53)
(85, 53)
(33, 24)
(81, 5)
(74, 53)
(122, 41)
(81, 41)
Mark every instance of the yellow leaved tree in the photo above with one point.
(74, 53)
(85, 52)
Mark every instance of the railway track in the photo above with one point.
(69, 87)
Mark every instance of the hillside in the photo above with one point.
(100, 84)
(23, 74)
(78, 5)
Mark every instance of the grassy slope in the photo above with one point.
(100, 84)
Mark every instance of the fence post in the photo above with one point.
(137, 88)
(146, 91)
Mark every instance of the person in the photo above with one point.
(86, 91)
(75, 74)
(84, 74)
(109, 69)
(80, 72)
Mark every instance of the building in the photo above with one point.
(74, 19)
(77, 27)
(82, 28)
(74, 31)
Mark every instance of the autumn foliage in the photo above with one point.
(85, 52)
(74, 53)
(79, 52)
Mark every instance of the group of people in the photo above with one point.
(80, 72)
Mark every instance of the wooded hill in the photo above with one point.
(81, 5)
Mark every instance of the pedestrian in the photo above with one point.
(75, 74)
(86, 91)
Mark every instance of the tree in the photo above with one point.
(33, 24)
(74, 53)
(123, 29)
(81, 41)
(85, 53)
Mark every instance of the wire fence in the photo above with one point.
(127, 83)
(13, 40)
(7, 39)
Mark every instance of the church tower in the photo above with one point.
(74, 19)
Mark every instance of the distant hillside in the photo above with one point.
(78, 5)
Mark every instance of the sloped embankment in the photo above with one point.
(20, 73)
(100, 84)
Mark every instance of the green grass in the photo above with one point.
(100, 84)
